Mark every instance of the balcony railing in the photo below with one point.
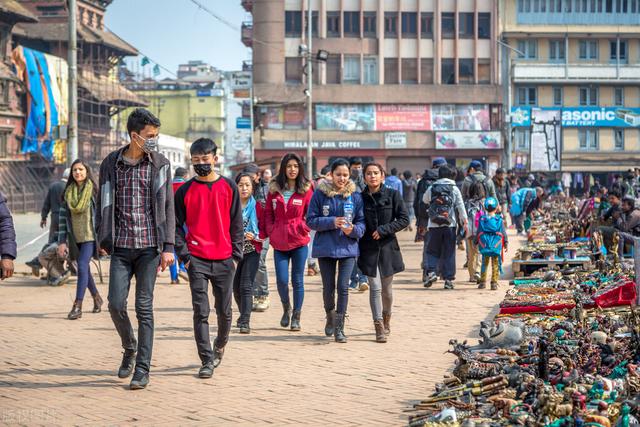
(247, 34)
(593, 73)
(248, 5)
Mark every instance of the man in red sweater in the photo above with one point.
(208, 207)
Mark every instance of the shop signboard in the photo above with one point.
(623, 117)
(241, 80)
(460, 117)
(468, 140)
(395, 140)
(243, 123)
(390, 117)
(345, 117)
(545, 140)
(321, 145)
(289, 117)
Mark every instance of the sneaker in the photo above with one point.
(126, 367)
(363, 286)
(140, 380)
(481, 285)
(430, 280)
(244, 328)
(448, 284)
(175, 282)
(206, 370)
(494, 286)
(61, 280)
(476, 277)
(262, 303)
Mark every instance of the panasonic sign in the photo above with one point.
(621, 117)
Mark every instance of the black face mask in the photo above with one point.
(202, 169)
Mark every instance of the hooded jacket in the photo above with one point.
(285, 222)
(161, 200)
(385, 213)
(326, 205)
(420, 208)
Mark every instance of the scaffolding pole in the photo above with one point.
(72, 147)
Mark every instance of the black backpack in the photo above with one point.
(478, 188)
(441, 205)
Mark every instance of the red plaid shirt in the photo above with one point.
(134, 221)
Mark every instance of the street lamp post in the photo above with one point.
(309, 92)
(507, 70)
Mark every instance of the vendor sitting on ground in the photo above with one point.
(57, 274)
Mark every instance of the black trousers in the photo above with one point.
(243, 284)
(220, 274)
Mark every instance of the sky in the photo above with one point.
(172, 32)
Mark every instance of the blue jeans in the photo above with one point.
(85, 279)
(125, 264)
(298, 259)
(329, 283)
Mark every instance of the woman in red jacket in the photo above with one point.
(285, 215)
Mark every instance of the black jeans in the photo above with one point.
(329, 284)
(243, 284)
(125, 263)
(441, 251)
(220, 274)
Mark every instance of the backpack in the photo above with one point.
(490, 238)
(475, 210)
(441, 205)
(478, 188)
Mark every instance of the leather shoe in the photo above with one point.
(139, 381)
(126, 367)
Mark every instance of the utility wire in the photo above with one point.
(231, 25)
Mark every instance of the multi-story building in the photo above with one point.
(186, 110)
(575, 63)
(403, 80)
(198, 71)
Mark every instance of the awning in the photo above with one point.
(109, 91)
(59, 31)
(20, 13)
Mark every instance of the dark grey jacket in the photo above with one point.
(7, 231)
(163, 208)
(53, 200)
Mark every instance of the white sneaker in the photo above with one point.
(263, 303)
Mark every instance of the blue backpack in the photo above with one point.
(490, 237)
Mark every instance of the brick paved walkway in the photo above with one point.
(54, 371)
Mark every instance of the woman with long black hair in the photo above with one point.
(335, 213)
(252, 215)
(285, 213)
(380, 256)
(77, 232)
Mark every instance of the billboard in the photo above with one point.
(460, 117)
(345, 117)
(623, 117)
(287, 117)
(546, 149)
(468, 140)
(390, 117)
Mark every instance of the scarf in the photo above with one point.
(79, 201)
(250, 217)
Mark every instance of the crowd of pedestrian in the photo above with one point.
(210, 230)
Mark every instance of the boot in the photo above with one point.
(286, 316)
(76, 310)
(295, 321)
(381, 337)
(386, 321)
(338, 332)
(328, 327)
(97, 303)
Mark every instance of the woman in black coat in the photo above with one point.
(380, 256)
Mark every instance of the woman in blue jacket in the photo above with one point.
(336, 213)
